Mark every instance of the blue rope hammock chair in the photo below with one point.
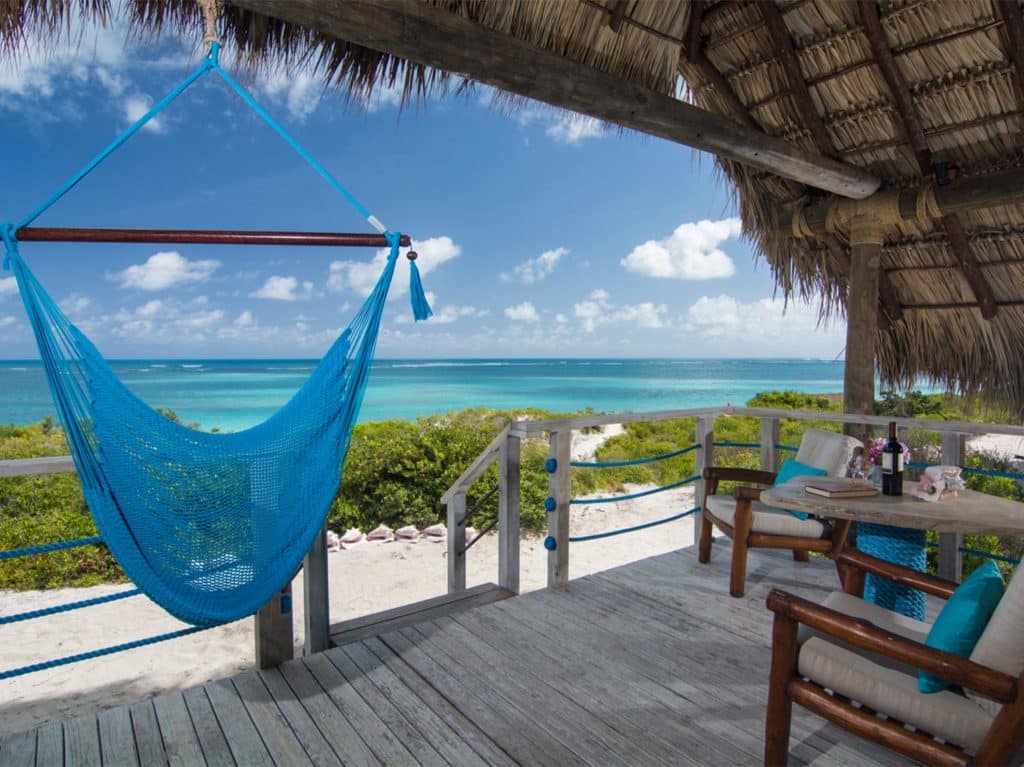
(210, 526)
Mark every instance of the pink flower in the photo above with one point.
(876, 446)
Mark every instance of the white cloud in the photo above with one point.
(691, 252)
(75, 305)
(8, 320)
(598, 310)
(164, 270)
(764, 326)
(244, 320)
(524, 312)
(299, 91)
(135, 106)
(571, 128)
(280, 288)
(535, 269)
(361, 276)
(8, 287)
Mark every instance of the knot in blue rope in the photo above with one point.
(10, 239)
(213, 60)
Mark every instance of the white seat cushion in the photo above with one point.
(1001, 645)
(945, 714)
(766, 518)
(827, 450)
(887, 620)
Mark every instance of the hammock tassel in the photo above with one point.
(420, 307)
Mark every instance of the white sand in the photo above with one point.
(1006, 445)
(369, 578)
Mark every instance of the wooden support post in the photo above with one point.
(456, 523)
(951, 560)
(862, 320)
(315, 594)
(274, 633)
(779, 716)
(508, 514)
(705, 455)
(770, 430)
(558, 519)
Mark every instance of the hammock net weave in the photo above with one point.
(210, 526)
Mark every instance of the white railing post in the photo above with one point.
(317, 613)
(456, 523)
(508, 514)
(704, 457)
(951, 560)
(557, 505)
(770, 435)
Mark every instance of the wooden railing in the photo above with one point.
(505, 451)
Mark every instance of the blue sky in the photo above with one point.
(539, 233)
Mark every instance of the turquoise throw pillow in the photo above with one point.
(790, 469)
(958, 627)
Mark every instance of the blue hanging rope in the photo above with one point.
(420, 307)
(630, 496)
(633, 461)
(634, 528)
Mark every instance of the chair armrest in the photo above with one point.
(867, 636)
(730, 474)
(743, 493)
(904, 576)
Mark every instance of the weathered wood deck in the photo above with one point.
(648, 664)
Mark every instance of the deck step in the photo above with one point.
(356, 629)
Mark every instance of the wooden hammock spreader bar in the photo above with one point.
(204, 237)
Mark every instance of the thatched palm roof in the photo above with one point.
(912, 90)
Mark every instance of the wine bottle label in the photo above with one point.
(887, 463)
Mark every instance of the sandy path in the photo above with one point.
(363, 580)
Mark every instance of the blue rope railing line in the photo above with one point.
(633, 461)
(631, 496)
(977, 553)
(68, 659)
(788, 448)
(1015, 475)
(737, 444)
(634, 528)
(45, 547)
(67, 607)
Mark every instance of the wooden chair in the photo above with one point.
(750, 523)
(828, 657)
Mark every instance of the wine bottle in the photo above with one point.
(892, 464)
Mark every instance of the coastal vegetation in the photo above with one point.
(397, 470)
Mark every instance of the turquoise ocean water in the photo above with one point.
(234, 394)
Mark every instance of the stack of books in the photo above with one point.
(841, 488)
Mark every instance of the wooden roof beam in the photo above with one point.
(618, 13)
(1010, 12)
(915, 134)
(783, 43)
(429, 36)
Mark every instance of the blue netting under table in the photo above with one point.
(903, 546)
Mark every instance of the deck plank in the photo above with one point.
(474, 737)
(313, 741)
(18, 750)
(504, 725)
(148, 743)
(284, 747)
(646, 664)
(386, 745)
(241, 734)
(82, 742)
(336, 728)
(181, 744)
(117, 741)
(211, 738)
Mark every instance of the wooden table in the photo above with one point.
(968, 513)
